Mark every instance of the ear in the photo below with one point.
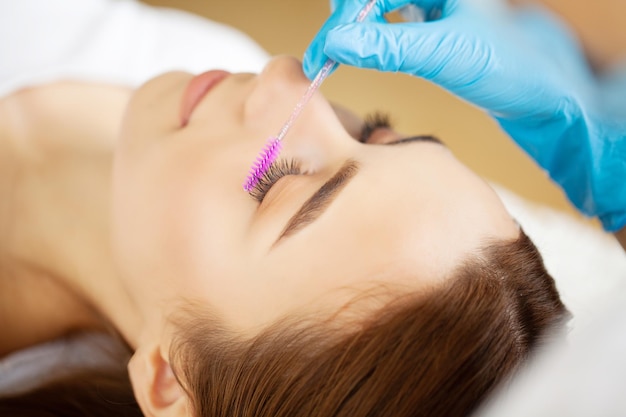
(156, 389)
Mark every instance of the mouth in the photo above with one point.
(197, 88)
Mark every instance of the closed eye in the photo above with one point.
(279, 169)
(313, 208)
(373, 122)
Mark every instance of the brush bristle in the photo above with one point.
(266, 157)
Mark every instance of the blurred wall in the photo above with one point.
(416, 106)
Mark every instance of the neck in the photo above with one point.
(63, 136)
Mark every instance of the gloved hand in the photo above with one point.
(523, 67)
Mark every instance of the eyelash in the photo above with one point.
(283, 167)
(374, 121)
(279, 168)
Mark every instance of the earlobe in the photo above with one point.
(156, 388)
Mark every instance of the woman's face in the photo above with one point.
(402, 214)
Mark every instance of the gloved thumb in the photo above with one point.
(403, 47)
(462, 53)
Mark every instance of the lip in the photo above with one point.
(197, 88)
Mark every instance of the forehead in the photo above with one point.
(410, 216)
(406, 220)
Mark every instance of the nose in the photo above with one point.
(286, 68)
(316, 135)
(279, 87)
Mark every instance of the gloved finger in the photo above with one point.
(409, 12)
(454, 54)
(445, 7)
(433, 9)
(347, 12)
(344, 12)
(429, 50)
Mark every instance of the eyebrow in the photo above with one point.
(319, 202)
(419, 138)
(313, 208)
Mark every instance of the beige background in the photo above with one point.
(415, 106)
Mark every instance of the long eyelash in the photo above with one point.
(373, 121)
(279, 168)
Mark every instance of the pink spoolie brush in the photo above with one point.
(272, 148)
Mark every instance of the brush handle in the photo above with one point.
(272, 149)
(326, 69)
(329, 65)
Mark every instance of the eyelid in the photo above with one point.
(373, 122)
(277, 170)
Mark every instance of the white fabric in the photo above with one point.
(29, 368)
(114, 41)
(582, 378)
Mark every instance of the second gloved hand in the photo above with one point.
(523, 67)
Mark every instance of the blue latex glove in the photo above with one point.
(523, 67)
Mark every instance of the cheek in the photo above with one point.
(182, 213)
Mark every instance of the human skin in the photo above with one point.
(182, 228)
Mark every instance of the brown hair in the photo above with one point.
(434, 355)
(93, 393)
